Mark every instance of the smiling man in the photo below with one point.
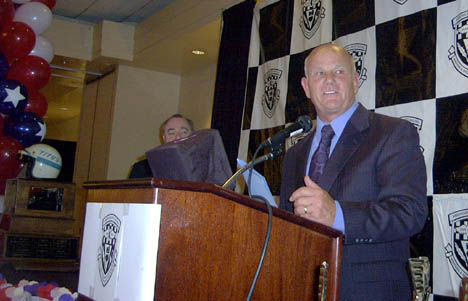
(361, 173)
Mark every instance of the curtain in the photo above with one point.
(231, 76)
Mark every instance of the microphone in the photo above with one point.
(302, 125)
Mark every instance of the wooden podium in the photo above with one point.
(211, 240)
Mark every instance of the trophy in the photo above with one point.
(420, 269)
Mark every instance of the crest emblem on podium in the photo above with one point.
(107, 255)
(457, 251)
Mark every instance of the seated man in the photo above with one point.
(175, 127)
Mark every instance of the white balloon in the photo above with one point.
(43, 48)
(20, 1)
(35, 14)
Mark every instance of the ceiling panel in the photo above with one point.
(176, 56)
(147, 10)
(71, 8)
(94, 11)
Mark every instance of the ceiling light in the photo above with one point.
(64, 109)
(198, 52)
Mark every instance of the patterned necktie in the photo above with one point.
(320, 157)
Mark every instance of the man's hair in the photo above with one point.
(190, 122)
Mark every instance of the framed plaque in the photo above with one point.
(39, 231)
(40, 198)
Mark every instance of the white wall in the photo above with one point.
(143, 100)
(196, 96)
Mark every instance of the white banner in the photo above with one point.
(450, 261)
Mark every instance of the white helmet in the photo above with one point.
(43, 161)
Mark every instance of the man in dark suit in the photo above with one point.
(372, 186)
(175, 127)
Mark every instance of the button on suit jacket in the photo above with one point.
(377, 174)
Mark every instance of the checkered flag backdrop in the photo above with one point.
(412, 58)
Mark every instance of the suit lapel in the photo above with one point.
(352, 137)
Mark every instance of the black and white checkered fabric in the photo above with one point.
(412, 57)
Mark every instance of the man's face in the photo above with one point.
(331, 83)
(176, 128)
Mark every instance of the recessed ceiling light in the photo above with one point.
(198, 52)
(64, 109)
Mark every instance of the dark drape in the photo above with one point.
(232, 75)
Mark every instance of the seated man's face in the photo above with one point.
(176, 128)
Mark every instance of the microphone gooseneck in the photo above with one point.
(302, 125)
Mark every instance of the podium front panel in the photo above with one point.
(211, 240)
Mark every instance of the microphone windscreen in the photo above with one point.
(306, 122)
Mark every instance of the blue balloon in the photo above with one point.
(28, 128)
(13, 97)
(3, 66)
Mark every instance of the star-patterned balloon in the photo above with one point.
(13, 97)
(28, 128)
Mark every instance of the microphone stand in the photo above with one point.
(270, 156)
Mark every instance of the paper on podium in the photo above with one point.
(119, 252)
(259, 184)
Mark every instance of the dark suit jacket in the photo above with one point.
(141, 169)
(377, 173)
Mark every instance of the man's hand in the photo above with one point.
(314, 203)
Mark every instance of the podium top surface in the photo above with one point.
(153, 183)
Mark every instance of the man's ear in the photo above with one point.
(305, 86)
(356, 82)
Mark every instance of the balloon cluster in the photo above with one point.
(24, 69)
(33, 290)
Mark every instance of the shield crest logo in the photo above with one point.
(457, 250)
(458, 52)
(358, 52)
(312, 15)
(107, 253)
(272, 93)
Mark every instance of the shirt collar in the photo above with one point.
(338, 124)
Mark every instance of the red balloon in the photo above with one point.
(3, 179)
(2, 185)
(10, 165)
(37, 103)
(16, 40)
(7, 12)
(49, 3)
(2, 123)
(32, 71)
